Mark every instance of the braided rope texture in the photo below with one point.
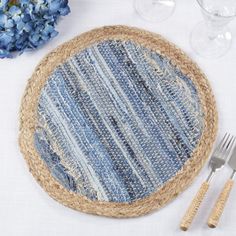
(194, 206)
(117, 122)
(219, 206)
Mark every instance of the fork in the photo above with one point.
(217, 161)
(219, 206)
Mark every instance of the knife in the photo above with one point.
(224, 195)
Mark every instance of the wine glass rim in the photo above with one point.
(200, 2)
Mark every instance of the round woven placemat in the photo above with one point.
(92, 203)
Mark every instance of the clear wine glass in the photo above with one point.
(154, 10)
(212, 38)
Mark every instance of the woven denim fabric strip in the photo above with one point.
(117, 121)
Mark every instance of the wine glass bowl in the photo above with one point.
(223, 8)
(212, 38)
(154, 10)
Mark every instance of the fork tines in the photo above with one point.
(225, 146)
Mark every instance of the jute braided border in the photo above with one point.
(28, 120)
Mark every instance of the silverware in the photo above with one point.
(224, 195)
(217, 161)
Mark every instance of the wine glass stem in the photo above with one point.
(213, 33)
(154, 2)
(215, 25)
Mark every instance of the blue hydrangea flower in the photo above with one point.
(28, 24)
(3, 5)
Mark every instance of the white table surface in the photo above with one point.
(25, 209)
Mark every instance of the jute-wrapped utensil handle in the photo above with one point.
(194, 206)
(220, 204)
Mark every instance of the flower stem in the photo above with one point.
(13, 2)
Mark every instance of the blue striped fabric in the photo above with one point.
(117, 121)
